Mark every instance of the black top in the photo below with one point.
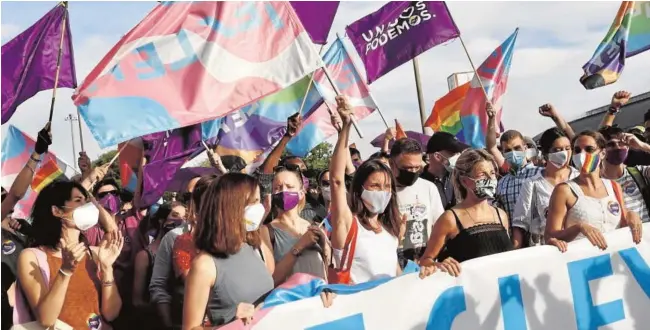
(477, 241)
(445, 188)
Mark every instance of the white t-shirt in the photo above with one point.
(533, 202)
(423, 206)
(632, 196)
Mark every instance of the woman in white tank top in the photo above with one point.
(588, 206)
(372, 210)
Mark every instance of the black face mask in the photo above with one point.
(407, 178)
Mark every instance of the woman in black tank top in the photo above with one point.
(472, 228)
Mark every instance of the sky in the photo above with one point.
(555, 39)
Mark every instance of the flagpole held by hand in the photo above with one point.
(58, 59)
(336, 90)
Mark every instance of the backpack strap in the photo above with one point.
(22, 311)
(619, 195)
(641, 182)
(350, 245)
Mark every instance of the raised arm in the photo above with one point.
(390, 135)
(491, 136)
(548, 110)
(26, 175)
(293, 125)
(619, 99)
(341, 219)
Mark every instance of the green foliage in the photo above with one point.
(319, 158)
(114, 170)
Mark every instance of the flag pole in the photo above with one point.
(418, 88)
(311, 82)
(357, 70)
(480, 81)
(81, 136)
(338, 92)
(58, 58)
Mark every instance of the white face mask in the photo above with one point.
(253, 216)
(85, 216)
(376, 200)
(531, 153)
(559, 159)
(326, 192)
(451, 163)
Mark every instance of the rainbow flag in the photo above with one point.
(317, 126)
(445, 115)
(628, 35)
(45, 174)
(255, 128)
(190, 62)
(493, 72)
(17, 147)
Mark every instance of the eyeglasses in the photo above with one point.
(106, 193)
(588, 149)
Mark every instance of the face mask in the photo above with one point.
(376, 200)
(305, 183)
(515, 158)
(485, 188)
(531, 153)
(586, 163)
(327, 193)
(85, 216)
(616, 156)
(451, 162)
(356, 164)
(171, 226)
(559, 159)
(111, 203)
(407, 178)
(286, 200)
(253, 216)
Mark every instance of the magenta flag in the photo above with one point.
(316, 18)
(398, 32)
(29, 61)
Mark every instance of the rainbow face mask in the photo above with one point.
(587, 162)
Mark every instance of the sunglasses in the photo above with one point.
(287, 167)
(588, 149)
(325, 183)
(106, 193)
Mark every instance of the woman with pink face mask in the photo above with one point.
(62, 279)
(298, 245)
(588, 206)
(529, 219)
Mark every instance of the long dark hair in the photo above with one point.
(46, 227)
(220, 228)
(390, 219)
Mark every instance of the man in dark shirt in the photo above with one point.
(443, 149)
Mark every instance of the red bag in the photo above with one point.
(342, 275)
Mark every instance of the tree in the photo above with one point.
(318, 159)
(114, 170)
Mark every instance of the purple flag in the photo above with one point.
(29, 61)
(167, 152)
(316, 17)
(398, 32)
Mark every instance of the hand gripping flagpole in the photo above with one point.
(338, 93)
(359, 72)
(58, 58)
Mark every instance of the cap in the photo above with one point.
(443, 141)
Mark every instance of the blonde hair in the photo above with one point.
(464, 165)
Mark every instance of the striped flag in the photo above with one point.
(45, 174)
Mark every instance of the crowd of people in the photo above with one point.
(92, 257)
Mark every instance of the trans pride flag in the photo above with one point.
(190, 62)
(17, 147)
(254, 129)
(494, 75)
(628, 35)
(317, 126)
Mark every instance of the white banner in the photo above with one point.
(530, 289)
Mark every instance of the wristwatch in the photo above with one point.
(296, 253)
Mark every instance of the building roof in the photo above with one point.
(630, 115)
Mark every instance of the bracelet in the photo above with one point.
(64, 273)
(613, 110)
(34, 159)
(108, 283)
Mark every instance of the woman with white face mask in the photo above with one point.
(529, 219)
(364, 232)
(473, 228)
(298, 245)
(63, 280)
(588, 206)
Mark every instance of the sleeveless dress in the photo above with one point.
(241, 278)
(477, 241)
(601, 213)
(309, 262)
(81, 305)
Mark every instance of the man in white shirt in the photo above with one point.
(418, 199)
